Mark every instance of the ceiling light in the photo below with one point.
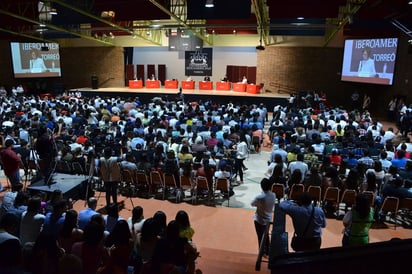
(300, 18)
(53, 12)
(410, 2)
(209, 4)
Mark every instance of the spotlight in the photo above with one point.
(209, 4)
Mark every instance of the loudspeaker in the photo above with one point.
(95, 82)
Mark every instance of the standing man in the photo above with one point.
(308, 221)
(109, 170)
(11, 164)
(264, 203)
(45, 148)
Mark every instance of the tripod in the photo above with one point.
(32, 163)
(90, 180)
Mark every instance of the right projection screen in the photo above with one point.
(369, 60)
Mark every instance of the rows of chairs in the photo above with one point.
(163, 185)
(332, 197)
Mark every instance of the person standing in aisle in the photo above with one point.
(109, 170)
(264, 203)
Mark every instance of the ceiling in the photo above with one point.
(100, 20)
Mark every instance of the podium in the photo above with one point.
(171, 84)
(222, 86)
(239, 87)
(252, 88)
(152, 84)
(188, 84)
(206, 85)
(135, 84)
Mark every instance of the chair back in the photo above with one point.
(222, 184)
(390, 204)
(156, 178)
(331, 194)
(296, 191)
(348, 197)
(186, 182)
(141, 178)
(202, 183)
(169, 180)
(279, 190)
(315, 193)
(405, 204)
(127, 176)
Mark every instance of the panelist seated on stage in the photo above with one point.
(244, 80)
(206, 79)
(224, 79)
(152, 78)
(189, 78)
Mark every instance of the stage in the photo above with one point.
(269, 98)
(72, 186)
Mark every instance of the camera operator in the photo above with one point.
(47, 151)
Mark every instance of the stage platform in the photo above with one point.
(72, 186)
(270, 99)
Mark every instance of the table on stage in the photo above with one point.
(152, 84)
(222, 85)
(171, 84)
(375, 80)
(252, 88)
(188, 84)
(205, 85)
(135, 84)
(239, 87)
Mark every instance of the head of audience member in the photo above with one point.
(151, 229)
(137, 214)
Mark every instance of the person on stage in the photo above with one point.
(367, 64)
(37, 63)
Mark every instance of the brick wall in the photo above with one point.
(310, 68)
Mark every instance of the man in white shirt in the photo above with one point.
(299, 164)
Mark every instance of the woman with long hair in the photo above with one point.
(357, 222)
(69, 232)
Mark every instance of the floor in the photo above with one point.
(225, 236)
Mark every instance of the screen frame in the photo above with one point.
(22, 65)
(382, 54)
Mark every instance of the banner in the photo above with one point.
(199, 63)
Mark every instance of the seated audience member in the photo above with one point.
(400, 161)
(31, 221)
(10, 245)
(91, 250)
(86, 214)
